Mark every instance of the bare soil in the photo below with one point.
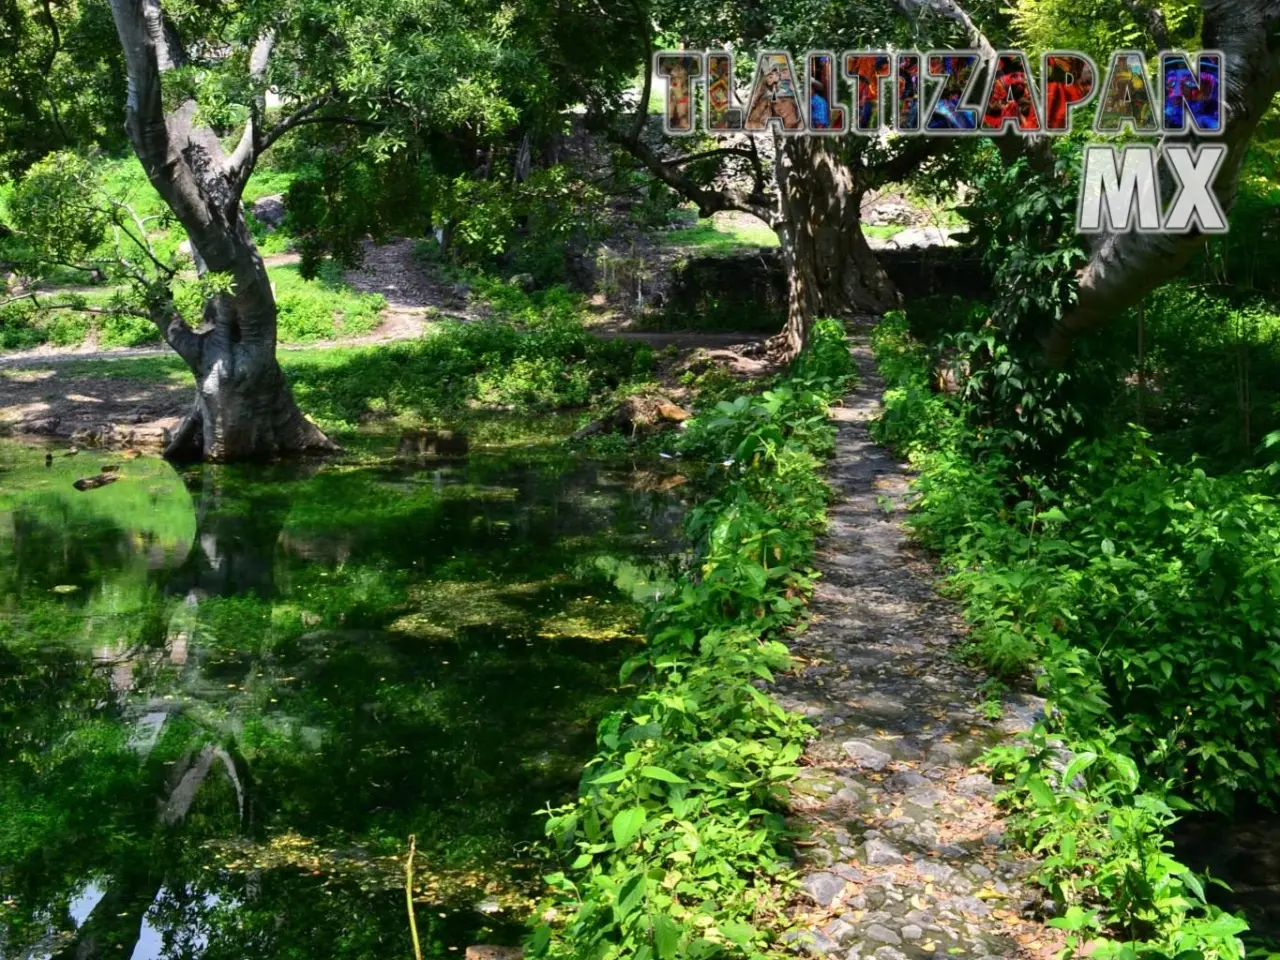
(39, 400)
(115, 411)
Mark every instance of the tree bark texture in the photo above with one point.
(831, 269)
(1125, 267)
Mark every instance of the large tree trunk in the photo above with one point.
(831, 269)
(244, 408)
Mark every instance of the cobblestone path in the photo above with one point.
(907, 856)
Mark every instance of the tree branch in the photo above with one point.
(300, 119)
(140, 240)
(186, 343)
(1037, 147)
(75, 305)
(708, 200)
(54, 49)
(1124, 267)
(245, 156)
(140, 25)
(1153, 17)
(642, 108)
(722, 151)
(898, 167)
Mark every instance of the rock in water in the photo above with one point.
(641, 414)
(92, 483)
(488, 951)
(46, 427)
(669, 411)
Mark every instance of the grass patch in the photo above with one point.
(882, 231)
(322, 309)
(490, 365)
(168, 368)
(308, 312)
(723, 236)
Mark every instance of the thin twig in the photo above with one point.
(408, 897)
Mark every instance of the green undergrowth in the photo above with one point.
(324, 308)
(532, 355)
(726, 236)
(1143, 593)
(488, 365)
(74, 305)
(674, 846)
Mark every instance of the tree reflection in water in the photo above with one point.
(227, 696)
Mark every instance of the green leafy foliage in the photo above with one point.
(1104, 852)
(55, 204)
(323, 308)
(500, 362)
(1144, 590)
(61, 80)
(1024, 226)
(671, 850)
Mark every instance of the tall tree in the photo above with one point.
(60, 74)
(243, 406)
(809, 190)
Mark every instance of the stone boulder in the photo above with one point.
(432, 443)
(891, 213)
(269, 211)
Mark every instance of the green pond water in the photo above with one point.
(228, 696)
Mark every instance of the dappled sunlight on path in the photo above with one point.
(907, 857)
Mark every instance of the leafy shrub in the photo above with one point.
(1212, 373)
(321, 309)
(124, 330)
(18, 330)
(64, 328)
(56, 204)
(533, 383)
(1146, 592)
(555, 363)
(525, 226)
(1105, 854)
(672, 848)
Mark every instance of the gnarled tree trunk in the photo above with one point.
(831, 269)
(244, 408)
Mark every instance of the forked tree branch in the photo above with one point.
(708, 200)
(1152, 17)
(245, 156)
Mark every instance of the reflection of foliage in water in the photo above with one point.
(347, 655)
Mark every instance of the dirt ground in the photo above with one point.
(39, 400)
(112, 411)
